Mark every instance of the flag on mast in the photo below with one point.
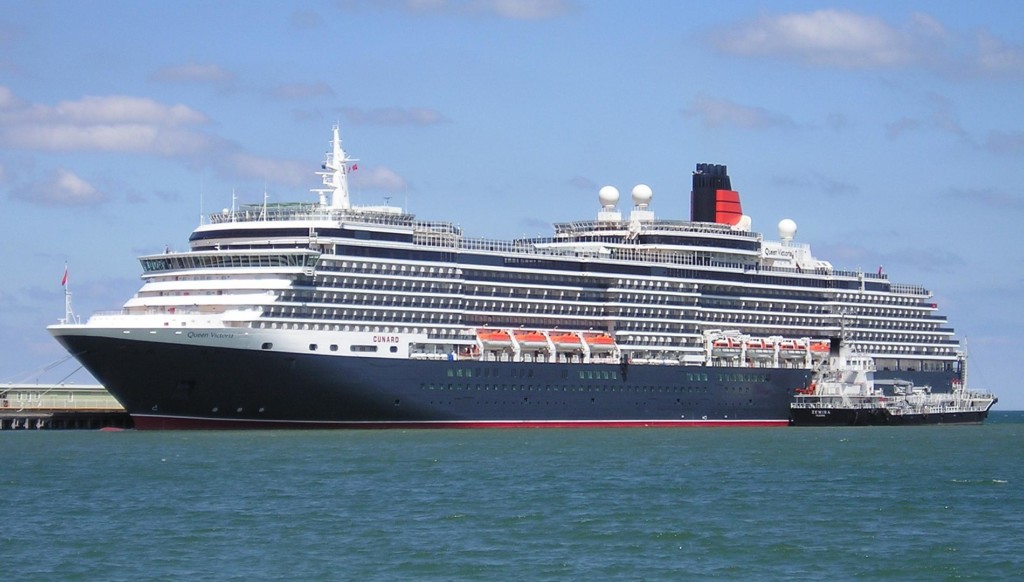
(64, 279)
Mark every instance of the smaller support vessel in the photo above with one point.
(843, 392)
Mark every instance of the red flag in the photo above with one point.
(355, 167)
(64, 279)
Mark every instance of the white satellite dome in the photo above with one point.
(787, 229)
(609, 196)
(642, 195)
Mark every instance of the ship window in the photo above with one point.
(334, 347)
(363, 348)
(312, 347)
(267, 345)
(394, 349)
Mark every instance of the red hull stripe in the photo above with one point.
(148, 422)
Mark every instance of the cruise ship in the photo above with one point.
(323, 314)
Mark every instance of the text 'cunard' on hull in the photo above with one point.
(322, 314)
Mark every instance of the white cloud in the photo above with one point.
(989, 198)
(824, 37)
(583, 183)
(7, 99)
(302, 90)
(997, 57)
(256, 167)
(125, 109)
(848, 40)
(131, 138)
(1005, 142)
(942, 118)
(817, 182)
(393, 116)
(194, 73)
(508, 9)
(113, 123)
(717, 112)
(64, 188)
(528, 9)
(378, 178)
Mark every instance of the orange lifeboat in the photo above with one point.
(809, 389)
(531, 339)
(600, 343)
(566, 341)
(819, 349)
(725, 347)
(493, 339)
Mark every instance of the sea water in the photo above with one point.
(919, 503)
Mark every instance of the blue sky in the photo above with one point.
(891, 132)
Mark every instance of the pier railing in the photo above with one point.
(51, 397)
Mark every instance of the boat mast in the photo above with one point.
(69, 314)
(335, 174)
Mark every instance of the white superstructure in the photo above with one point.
(328, 276)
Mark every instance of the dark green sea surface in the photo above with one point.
(908, 503)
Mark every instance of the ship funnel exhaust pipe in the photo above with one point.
(712, 198)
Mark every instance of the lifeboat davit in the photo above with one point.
(759, 349)
(792, 349)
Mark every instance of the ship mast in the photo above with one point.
(335, 174)
(69, 314)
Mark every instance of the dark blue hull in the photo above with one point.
(182, 386)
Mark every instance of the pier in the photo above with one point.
(60, 407)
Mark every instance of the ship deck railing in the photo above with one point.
(686, 258)
(659, 225)
(447, 235)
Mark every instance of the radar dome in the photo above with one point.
(787, 229)
(642, 195)
(609, 196)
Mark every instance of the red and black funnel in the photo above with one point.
(712, 198)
